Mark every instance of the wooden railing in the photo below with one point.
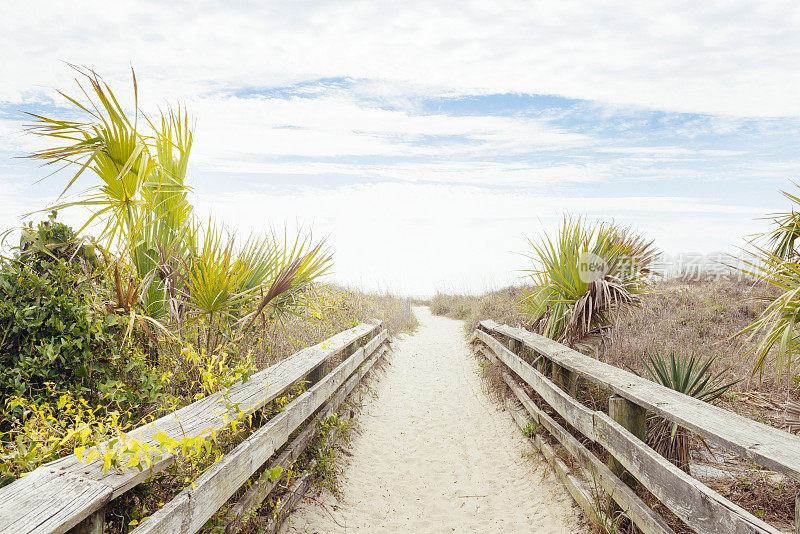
(621, 433)
(68, 495)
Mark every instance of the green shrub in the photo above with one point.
(55, 332)
(51, 331)
(50, 241)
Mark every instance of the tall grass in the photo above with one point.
(331, 309)
(686, 317)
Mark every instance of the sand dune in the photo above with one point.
(433, 453)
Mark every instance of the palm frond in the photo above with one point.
(573, 303)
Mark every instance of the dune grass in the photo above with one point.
(501, 305)
(331, 309)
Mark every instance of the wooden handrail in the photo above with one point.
(59, 495)
(697, 505)
(195, 505)
(767, 446)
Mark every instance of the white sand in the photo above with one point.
(433, 453)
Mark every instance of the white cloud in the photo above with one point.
(236, 128)
(737, 58)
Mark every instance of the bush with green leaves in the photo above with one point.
(51, 240)
(54, 330)
(692, 376)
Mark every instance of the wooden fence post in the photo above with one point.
(797, 514)
(566, 380)
(325, 367)
(94, 524)
(634, 418)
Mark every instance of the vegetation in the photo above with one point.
(99, 335)
(583, 277)
(778, 264)
(501, 305)
(55, 330)
(691, 376)
(171, 272)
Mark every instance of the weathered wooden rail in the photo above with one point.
(70, 496)
(621, 432)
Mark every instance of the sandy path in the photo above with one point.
(432, 453)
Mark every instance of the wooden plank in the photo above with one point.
(698, 506)
(487, 353)
(60, 513)
(261, 488)
(648, 521)
(574, 412)
(633, 418)
(565, 379)
(770, 447)
(30, 509)
(94, 524)
(303, 484)
(213, 488)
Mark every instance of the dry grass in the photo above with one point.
(331, 309)
(692, 318)
(767, 496)
(685, 317)
(501, 306)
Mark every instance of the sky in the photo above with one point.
(428, 141)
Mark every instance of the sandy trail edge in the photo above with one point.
(433, 453)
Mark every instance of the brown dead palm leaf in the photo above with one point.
(281, 285)
(791, 417)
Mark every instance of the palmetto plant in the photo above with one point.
(179, 269)
(783, 237)
(778, 264)
(691, 376)
(584, 276)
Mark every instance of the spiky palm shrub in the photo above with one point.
(783, 237)
(585, 276)
(777, 264)
(691, 376)
(167, 267)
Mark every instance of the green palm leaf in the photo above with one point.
(568, 306)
